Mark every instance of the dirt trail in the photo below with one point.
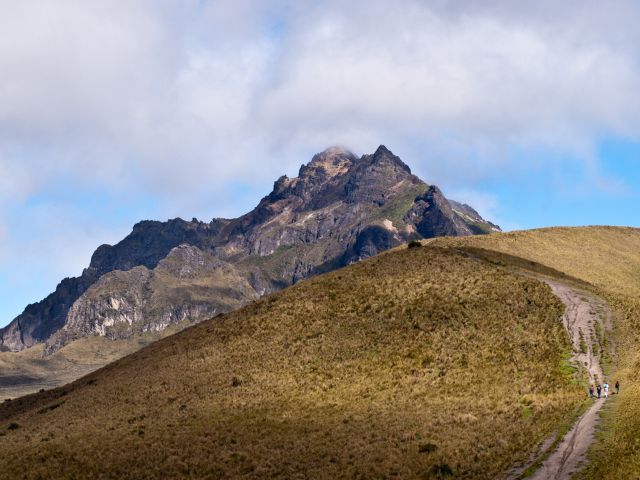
(582, 315)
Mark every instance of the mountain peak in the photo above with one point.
(383, 156)
(339, 209)
(332, 162)
(336, 150)
(382, 150)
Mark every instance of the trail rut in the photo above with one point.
(583, 313)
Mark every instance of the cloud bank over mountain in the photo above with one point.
(183, 106)
(98, 88)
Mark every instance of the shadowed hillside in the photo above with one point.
(417, 363)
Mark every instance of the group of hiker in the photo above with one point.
(602, 390)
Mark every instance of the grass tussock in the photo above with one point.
(420, 363)
(609, 259)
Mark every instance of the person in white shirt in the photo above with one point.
(606, 389)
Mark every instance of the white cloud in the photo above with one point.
(416, 71)
(163, 95)
(176, 100)
(484, 203)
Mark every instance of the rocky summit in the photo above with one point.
(338, 210)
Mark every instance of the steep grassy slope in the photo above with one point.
(609, 258)
(416, 363)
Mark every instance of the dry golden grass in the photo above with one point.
(609, 258)
(415, 363)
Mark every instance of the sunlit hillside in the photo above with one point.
(422, 362)
(609, 258)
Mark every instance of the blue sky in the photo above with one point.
(110, 115)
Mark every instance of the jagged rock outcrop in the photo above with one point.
(373, 240)
(146, 245)
(433, 216)
(339, 209)
(189, 284)
(473, 220)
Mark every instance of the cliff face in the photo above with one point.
(338, 210)
(146, 245)
(188, 284)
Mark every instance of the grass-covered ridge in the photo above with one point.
(608, 258)
(415, 362)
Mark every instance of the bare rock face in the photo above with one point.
(373, 240)
(338, 210)
(40, 320)
(189, 284)
(146, 245)
(433, 216)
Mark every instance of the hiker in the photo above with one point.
(617, 387)
(599, 389)
(591, 391)
(606, 390)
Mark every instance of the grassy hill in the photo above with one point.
(608, 258)
(420, 362)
